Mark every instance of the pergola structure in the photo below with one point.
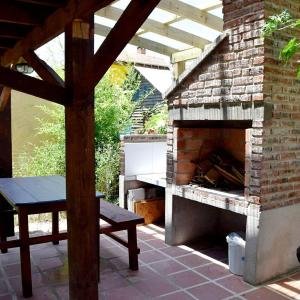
(25, 25)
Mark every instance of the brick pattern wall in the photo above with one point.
(280, 136)
(233, 73)
(193, 144)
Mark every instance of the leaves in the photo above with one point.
(289, 50)
(280, 22)
(277, 22)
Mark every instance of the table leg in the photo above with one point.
(55, 226)
(133, 249)
(3, 239)
(25, 254)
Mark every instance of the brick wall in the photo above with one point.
(280, 170)
(193, 144)
(243, 71)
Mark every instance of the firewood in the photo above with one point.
(212, 176)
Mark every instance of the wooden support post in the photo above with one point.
(82, 206)
(5, 139)
(7, 220)
(178, 68)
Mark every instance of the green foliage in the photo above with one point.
(281, 22)
(113, 108)
(277, 22)
(157, 119)
(289, 50)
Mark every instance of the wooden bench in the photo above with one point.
(121, 219)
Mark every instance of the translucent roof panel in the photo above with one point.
(217, 12)
(121, 4)
(165, 40)
(104, 21)
(162, 15)
(203, 4)
(197, 29)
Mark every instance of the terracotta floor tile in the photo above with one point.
(41, 293)
(128, 292)
(289, 287)
(186, 279)
(50, 263)
(263, 294)
(157, 244)
(155, 287)
(112, 280)
(209, 291)
(6, 297)
(175, 251)
(63, 292)
(177, 296)
(144, 273)
(192, 260)
(152, 256)
(120, 263)
(112, 252)
(167, 267)
(144, 246)
(235, 284)
(213, 271)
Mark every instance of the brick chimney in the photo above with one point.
(239, 83)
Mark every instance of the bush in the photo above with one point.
(113, 108)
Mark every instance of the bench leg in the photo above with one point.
(133, 249)
(25, 254)
(3, 239)
(55, 226)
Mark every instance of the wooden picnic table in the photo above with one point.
(34, 195)
(47, 194)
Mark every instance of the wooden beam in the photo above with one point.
(185, 55)
(7, 43)
(53, 26)
(5, 140)
(13, 31)
(32, 86)
(82, 206)
(43, 69)
(192, 13)
(131, 20)
(159, 28)
(4, 97)
(51, 3)
(139, 41)
(11, 12)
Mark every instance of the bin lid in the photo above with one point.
(236, 238)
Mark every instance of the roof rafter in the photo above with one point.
(43, 69)
(190, 12)
(158, 28)
(14, 13)
(33, 86)
(139, 41)
(120, 35)
(52, 27)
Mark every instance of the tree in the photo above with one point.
(113, 108)
(284, 22)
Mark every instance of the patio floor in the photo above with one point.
(175, 273)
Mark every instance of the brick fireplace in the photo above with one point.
(237, 97)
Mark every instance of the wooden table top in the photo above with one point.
(22, 191)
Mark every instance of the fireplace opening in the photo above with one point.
(212, 157)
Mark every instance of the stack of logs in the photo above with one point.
(219, 170)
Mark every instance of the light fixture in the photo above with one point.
(23, 67)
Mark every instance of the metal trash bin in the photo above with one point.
(236, 252)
